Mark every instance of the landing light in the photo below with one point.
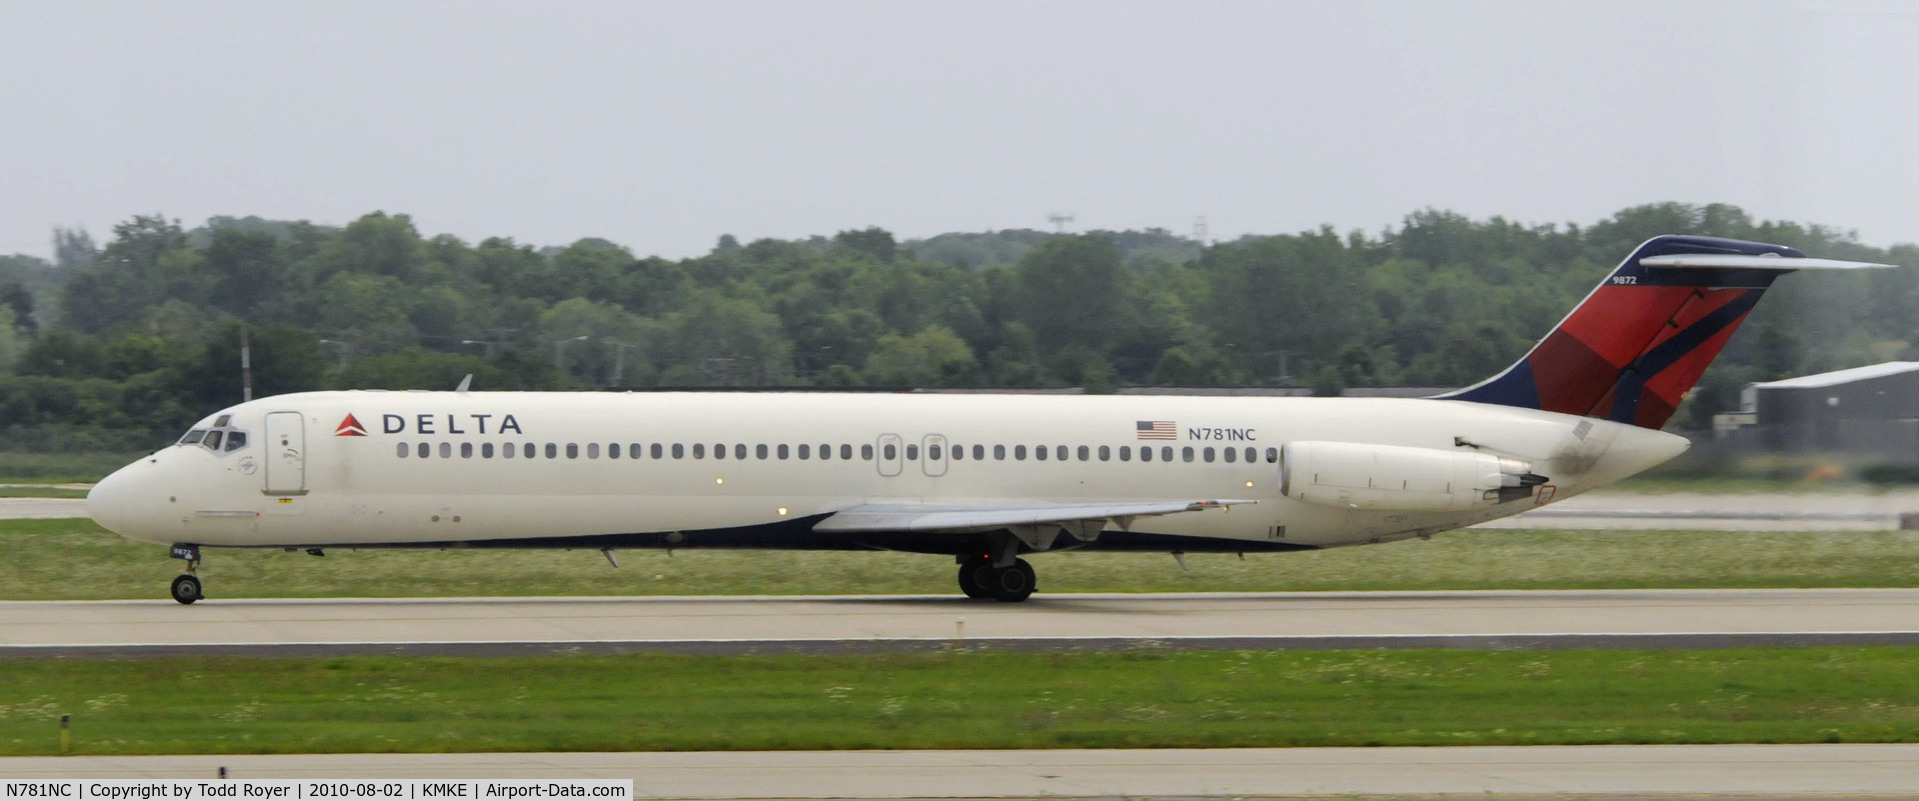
(1249, 483)
(782, 511)
(719, 481)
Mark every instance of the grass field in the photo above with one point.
(962, 700)
(75, 559)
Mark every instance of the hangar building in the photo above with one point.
(1872, 409)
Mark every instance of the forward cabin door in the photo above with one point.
(286, 454)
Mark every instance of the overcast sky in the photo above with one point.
(663, 125)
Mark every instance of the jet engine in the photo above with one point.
(1351, 475)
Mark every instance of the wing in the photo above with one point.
(1082, 520)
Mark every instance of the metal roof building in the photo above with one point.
(1872, 409)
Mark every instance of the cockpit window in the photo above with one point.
(221, 437)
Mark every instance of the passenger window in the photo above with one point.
(999, 452)
(699, 450)
(486, 450)
(466, 450)
(527, 450)
(1040, 453)
(826, 452)
(806, 451)
(892, 451)
(679, 451)
(633, 450)
(1252, 455)
(979, 452)
(1207, 454)
(933, 452)
(425, 450)
(1085, 453)
(719, 451)
(846, 451)
(236, 440)
(552, 451)
(1146, 454)
(1186, 453)
(1105, 453)
(592, 450)
(509, 450)
(657, 450)
(959, 452)
(1230, 455)
(784, 452)
(1060, 453)
(446, 450)
(613, 450)
(739, 451)
(1125, 453)
(404, 450)
(213, 440)
(1019, 453)
(912, 453)
(759, 451)
(1272, 455)
(1166, 453)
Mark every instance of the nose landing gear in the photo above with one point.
(186, 586)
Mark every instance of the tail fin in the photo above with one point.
(1633, 348)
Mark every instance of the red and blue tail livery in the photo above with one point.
(1638, 343)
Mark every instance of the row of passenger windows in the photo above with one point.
(888, 452)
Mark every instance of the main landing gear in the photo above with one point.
(186, 586)
(978, 578)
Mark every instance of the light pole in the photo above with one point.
(346, 349)
(559, 352)
(619, 361)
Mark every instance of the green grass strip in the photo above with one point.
(75, 559)
(962, 700)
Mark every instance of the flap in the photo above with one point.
(909, 517)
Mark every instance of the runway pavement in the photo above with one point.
(1799, 771)
(495, 626)
(1780, 511)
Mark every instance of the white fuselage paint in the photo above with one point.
(341, 490)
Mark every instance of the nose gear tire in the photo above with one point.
(186, 588)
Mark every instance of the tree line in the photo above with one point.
(121, 345)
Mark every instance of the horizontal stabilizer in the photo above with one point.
(908, 517)
(1730, 261)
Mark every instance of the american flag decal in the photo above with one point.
(1158, 429)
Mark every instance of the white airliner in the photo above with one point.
(982, 478)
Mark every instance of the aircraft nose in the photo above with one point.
(116, 502)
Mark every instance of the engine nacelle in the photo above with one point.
(1351, 475)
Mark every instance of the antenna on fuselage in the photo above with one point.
(464, 383)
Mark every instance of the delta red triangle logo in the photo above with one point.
(350, 427)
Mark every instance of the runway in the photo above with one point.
(844, 624)
(1744, 771)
